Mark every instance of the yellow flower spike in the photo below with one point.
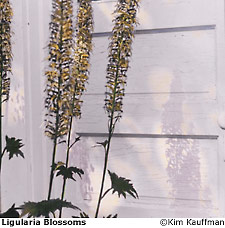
(119, 53)
(58, 74)
(5, 48)
(82, 51)
(60, 60)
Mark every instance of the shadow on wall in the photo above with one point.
(183, 154)
(80, 158)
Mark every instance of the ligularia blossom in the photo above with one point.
(58, 75)
(5, 48)
(119, 54)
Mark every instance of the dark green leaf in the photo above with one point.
(62, 141)
(45, 207)
(103, 143)
(122, 185)
(76, 170)
(82, 215)
(68, 172)
(10, 213)
(111, 216)
(13, 146)
(77, 139)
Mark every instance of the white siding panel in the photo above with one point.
(16, 182)
(163, 62)
(169, 174)
(171, 82)
(172, 91)
(160, 14)
(153, 114)
(27, 179)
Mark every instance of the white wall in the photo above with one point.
(168, 141)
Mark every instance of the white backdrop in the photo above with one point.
(175, 87)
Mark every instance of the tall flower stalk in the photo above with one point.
(5, 59)
(12, 145)
(119, 54)
(59, 82)
(83, 48)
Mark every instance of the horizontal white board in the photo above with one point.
(159, 14)
(165, 62)
(171, 176)
(153, 114)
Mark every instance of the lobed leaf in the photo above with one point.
(67, 173)
(45, 207)
(13, 146)
(122, 186)
(10, 213)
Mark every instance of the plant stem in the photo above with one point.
(106, 192)
(1, 76)
(67, 162)
(68, 146)
(55, 144)
(53, 213)
(52, 167)
(1, 136)
(111, 129)
(3, 152)
(103, 174)
(1, 71)
(57, 115)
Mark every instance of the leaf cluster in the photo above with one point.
(10, 213)
(84, 215)
(45, 207)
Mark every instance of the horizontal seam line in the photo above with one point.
(152, 93)
(130, 135)
(162, 30)
(167, 198)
